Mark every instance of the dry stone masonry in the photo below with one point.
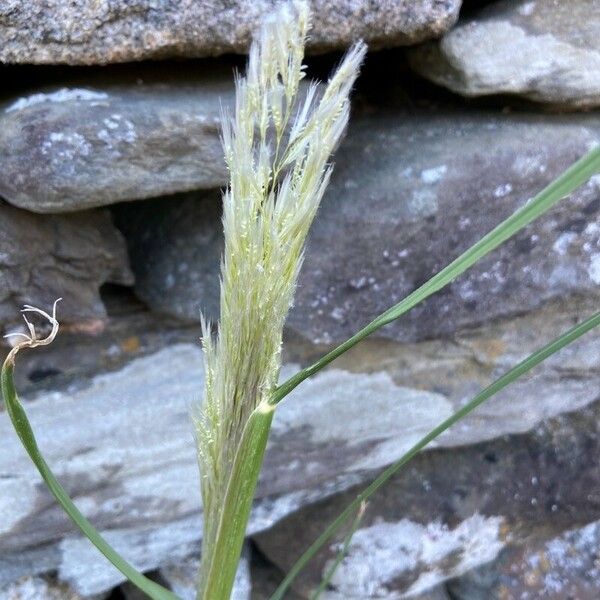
(110, 196)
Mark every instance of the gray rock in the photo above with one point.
(144, 546)
(175, 245)
(181, 577)
(18, 565)
(68, 256)
(83, 145)
(265, 579)
(385, 551)
(437, 593)
(453, 511)
(546, 51)
(132, 468)
(409, 194)
(564, 566)
(84, 33)
(38, 588)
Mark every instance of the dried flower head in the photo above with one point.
(277, 147)
(31, 339)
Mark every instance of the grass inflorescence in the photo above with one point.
(277, 147)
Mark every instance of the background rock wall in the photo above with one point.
(110, 198)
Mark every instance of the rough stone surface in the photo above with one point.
(393, 549)
(38, 588)
(90, 33)
(83, 145)
(16, 567)
(545, 50)
(149, 505)
(434, 183)
(68, 256)
(564, 566)
(141, 488)
(265, 579)
(454, 510)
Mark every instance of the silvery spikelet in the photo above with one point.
(277, 147)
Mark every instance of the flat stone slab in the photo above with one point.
(39, 588)
(80, 146)
(81, 32)
(545, 51)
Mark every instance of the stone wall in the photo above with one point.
(110, 198)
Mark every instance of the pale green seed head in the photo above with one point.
(277, 146)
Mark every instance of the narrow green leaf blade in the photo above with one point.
(576, 175)
(341, 554)
(25, 432)
(523, 367)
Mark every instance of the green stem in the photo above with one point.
(576, 175)
(24, 431)
(340, 555)
(523, 367)
(237, 505)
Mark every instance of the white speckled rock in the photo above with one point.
(553, 568)
(452, 511)
(383, 552)
(99, 142)
(545, 50)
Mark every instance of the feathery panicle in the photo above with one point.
(277, 146)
